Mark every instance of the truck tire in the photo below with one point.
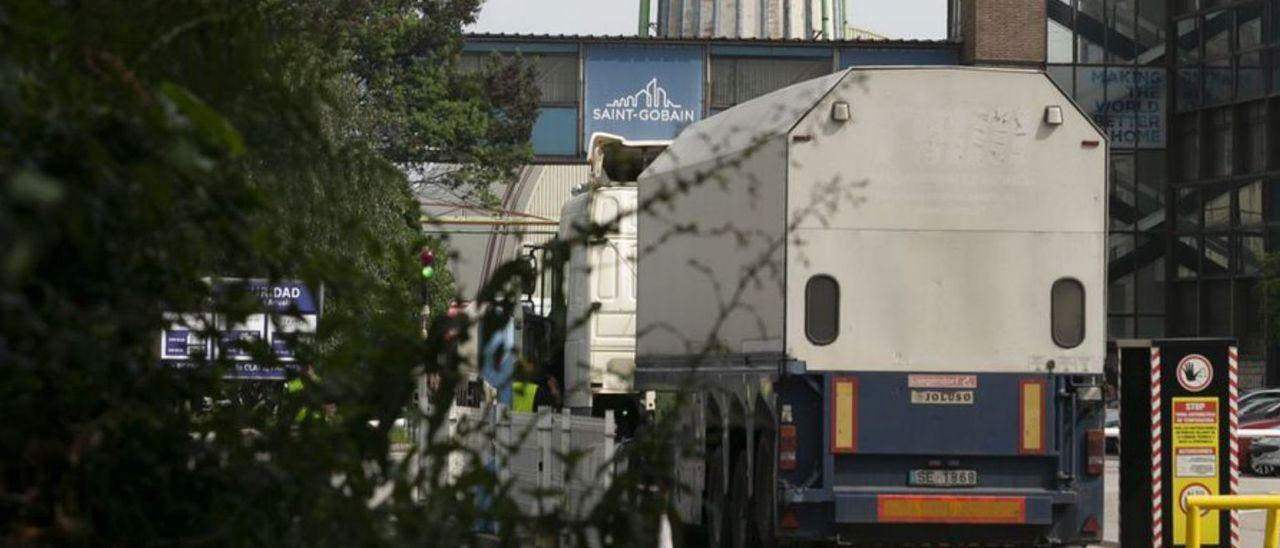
(713, 500)
(739, 509)
(764, 500)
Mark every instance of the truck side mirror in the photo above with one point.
(529, 276)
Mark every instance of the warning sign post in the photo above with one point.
(1177, 438)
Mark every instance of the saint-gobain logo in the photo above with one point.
(650, 104)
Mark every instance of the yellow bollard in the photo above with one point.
(1270, 503)
(1193, 525)
(1273, 535)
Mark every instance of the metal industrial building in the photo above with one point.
(1189, 91)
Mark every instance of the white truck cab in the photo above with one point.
(600, 290)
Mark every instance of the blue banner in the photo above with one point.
(239, 370)
(289, 314)
(282, 296)
(642, 92)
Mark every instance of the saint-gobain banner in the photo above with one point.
(642, 92)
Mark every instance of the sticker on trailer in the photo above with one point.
(942, 381)
(942, 397)
(1195, 373)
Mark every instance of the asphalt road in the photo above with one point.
(1252, 522)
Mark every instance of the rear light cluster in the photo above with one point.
(787, 447)
(1097, 452)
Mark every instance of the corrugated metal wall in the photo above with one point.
(478, 236)
(552, 189)
(726, 24)
(739, 79)
(541, 192)
(557, 78)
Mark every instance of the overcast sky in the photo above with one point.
(925, 19)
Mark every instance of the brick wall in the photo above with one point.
(1003, 32)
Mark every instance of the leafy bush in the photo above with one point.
(146, 146)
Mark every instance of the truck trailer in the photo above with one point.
(884, 291)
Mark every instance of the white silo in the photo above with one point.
(768, 19)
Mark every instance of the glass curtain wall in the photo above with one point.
(1226, 189)
(1110, 55)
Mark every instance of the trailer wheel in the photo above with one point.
(739, 505)
(764, 501)
(713, 500)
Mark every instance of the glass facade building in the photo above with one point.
(1186, 89)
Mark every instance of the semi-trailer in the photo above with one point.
(884, 289)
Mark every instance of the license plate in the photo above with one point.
(943, 478)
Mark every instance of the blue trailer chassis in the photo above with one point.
(1028, 457)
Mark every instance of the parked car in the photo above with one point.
(1262, 456)
(1259, 394)
(1258, 401)
(1260, 411)
(1259, 456)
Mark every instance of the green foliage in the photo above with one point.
(405, 59)
(147, 145)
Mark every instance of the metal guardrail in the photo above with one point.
(1270, 503)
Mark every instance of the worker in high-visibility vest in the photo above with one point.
(529, 392)
(523, 396)
(296, 385)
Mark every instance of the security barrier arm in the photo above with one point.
(1270, 503)
(1114, 432)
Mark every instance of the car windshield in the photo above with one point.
(1259, 395)
(1246, 408)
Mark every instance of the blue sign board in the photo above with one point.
(240, 370)
(176, 343)
(282, 296)
(289, 314)
(642, 92)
